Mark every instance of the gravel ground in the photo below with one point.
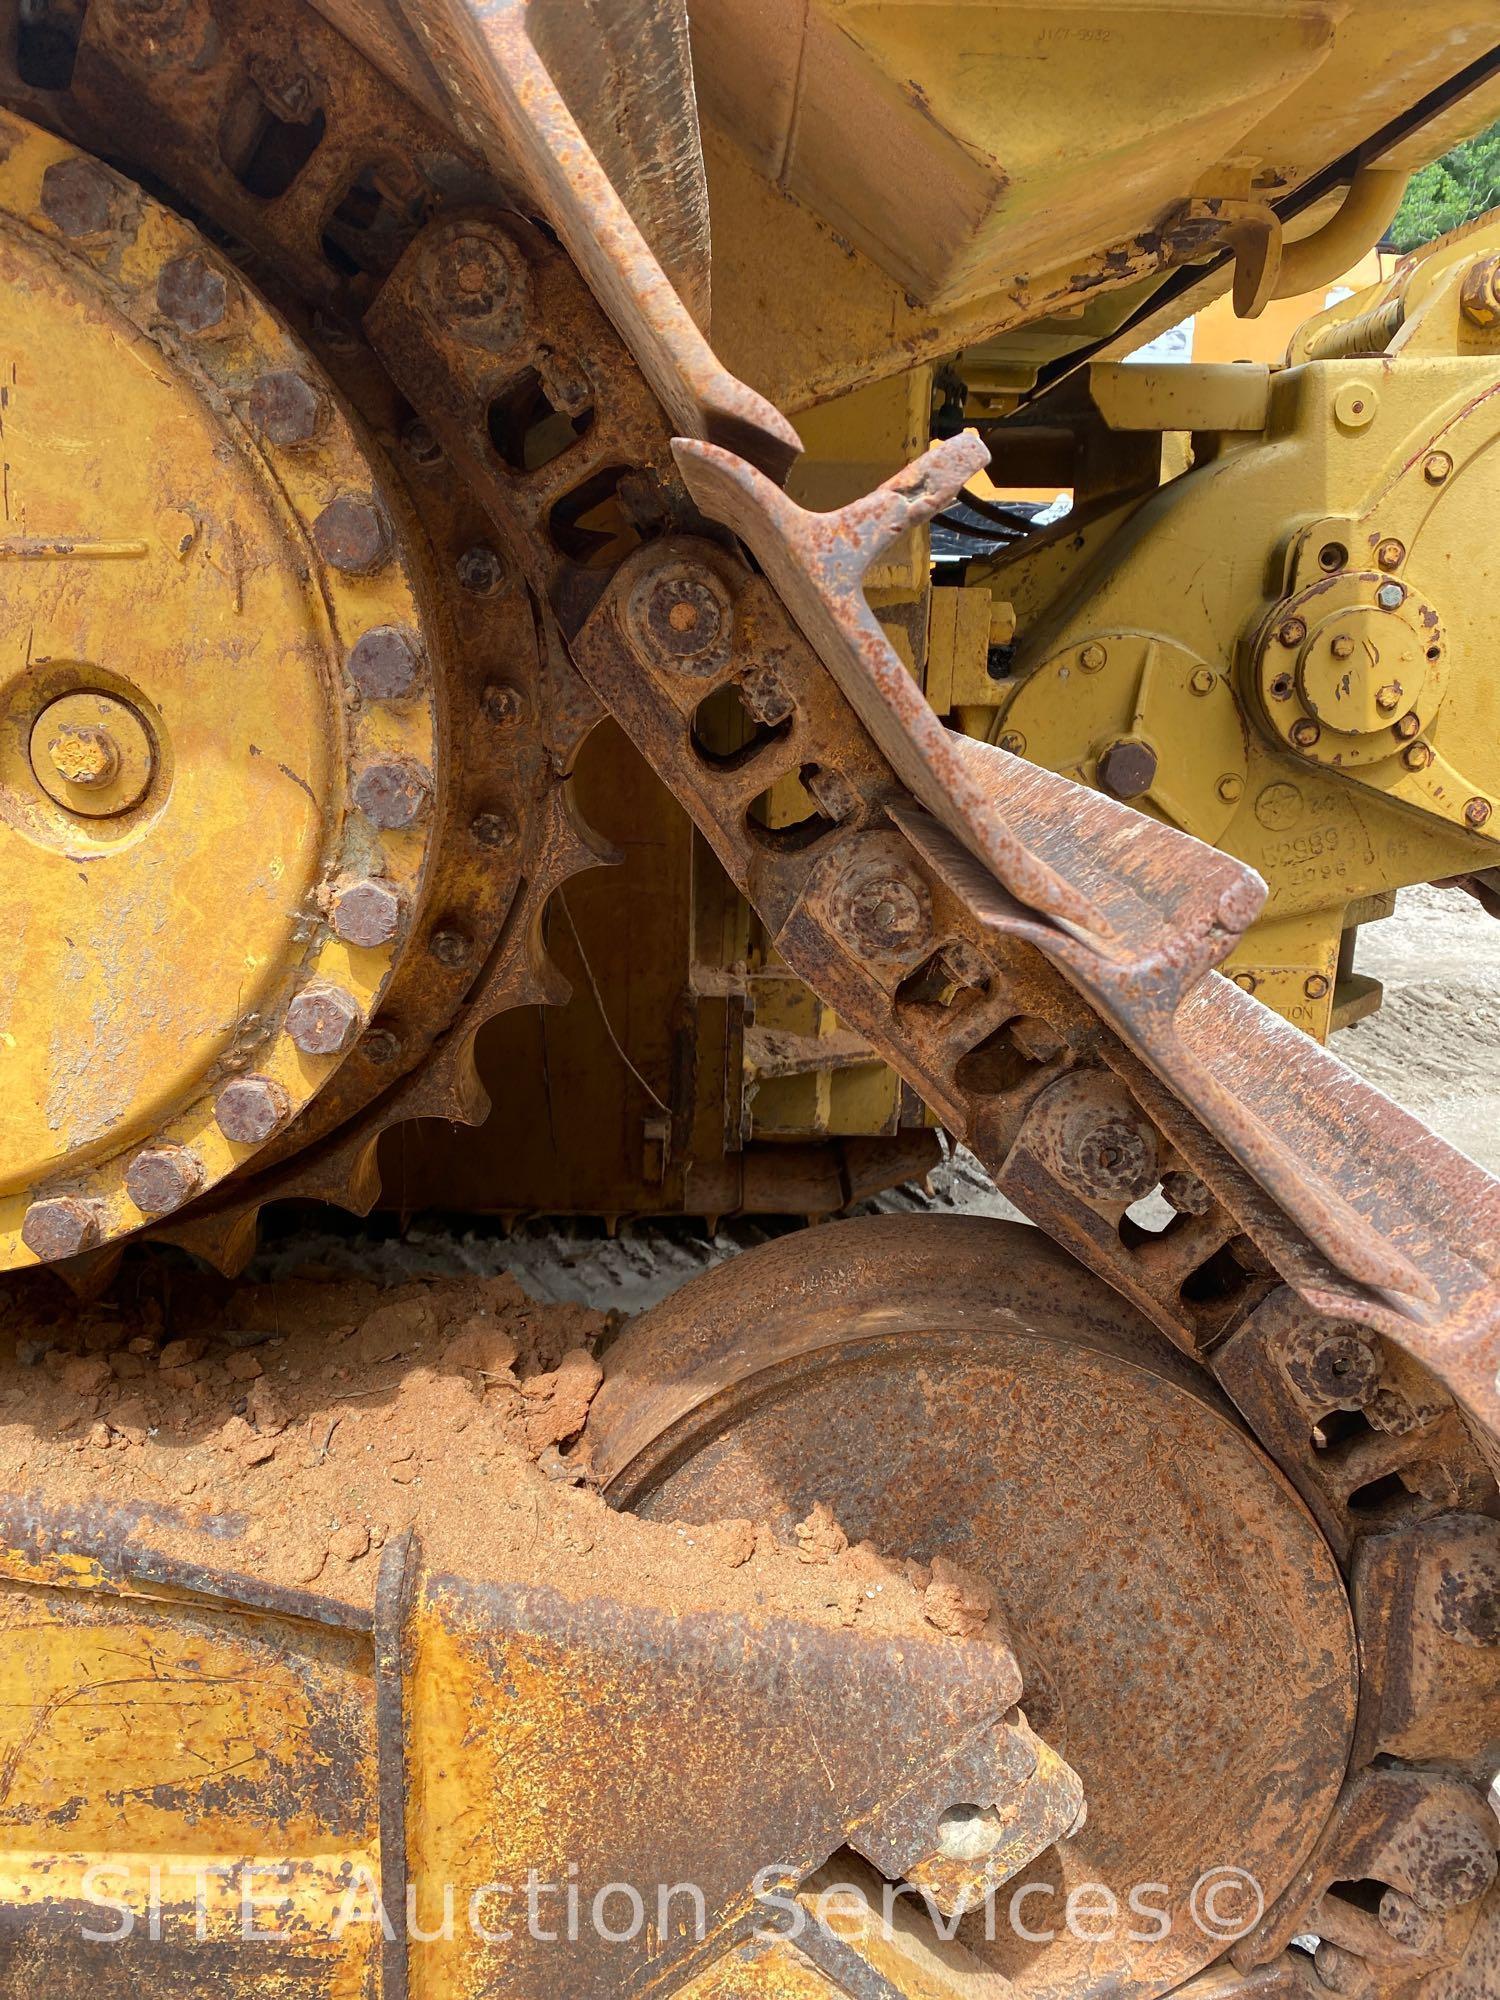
(1435, 1044)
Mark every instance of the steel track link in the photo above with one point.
(1069, 1120)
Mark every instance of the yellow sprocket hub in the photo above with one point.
(220, 738)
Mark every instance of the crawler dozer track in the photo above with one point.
(1152, 1555)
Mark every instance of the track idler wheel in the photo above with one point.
(959, 1388)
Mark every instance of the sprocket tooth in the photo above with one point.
(347, 1177)
(226, 1241)
(89, 1275)
(448, 1086)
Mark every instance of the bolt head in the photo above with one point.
(502, 704)
(1416, 756)
(1128, 769)
(323, 1020)
(1316, 986)
(286, 409)
(480, 571)
(470, 281)
(83, 754)
(1231, 788)
(192, 293)
(1391, 555)
(78, 198)
(249, 1108)
(682, 613)
(1291, 631)
(1388, 698)
(492, 829)
(1013, 741)
(1438, 468)
(1391, 596)
(1408, 725)
(450, 948)
(366, 914)
(1093, 658)
(1246, 981)
(1202, 681)
(1335, 1365)
(419, 444)
(162, 1178)
(381, 1046)
(385, 663)
(60, 1226)
(393, 793)
(881, 907)
(1341, 646)
(1477, 812)
(352, 535)
(1305, 732)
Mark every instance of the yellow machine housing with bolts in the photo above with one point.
(1285, 649)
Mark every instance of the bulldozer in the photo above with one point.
(528, 693)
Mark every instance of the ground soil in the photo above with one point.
(287, 1429)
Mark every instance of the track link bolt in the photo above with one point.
(60, 1226)
(1335, 1365)
(192, 293)
(323, 1020)
(472, 286)
(682, 610)
(352, 535)
(881, 908)
(286, 409)
(366, 914)
(393, 793)
(384, 663)
(162, 1178)
(249, 1108)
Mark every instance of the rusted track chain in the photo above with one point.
(1362, 1376)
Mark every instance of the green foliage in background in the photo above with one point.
(1452, 191)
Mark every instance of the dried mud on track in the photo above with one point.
(288, 1430)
